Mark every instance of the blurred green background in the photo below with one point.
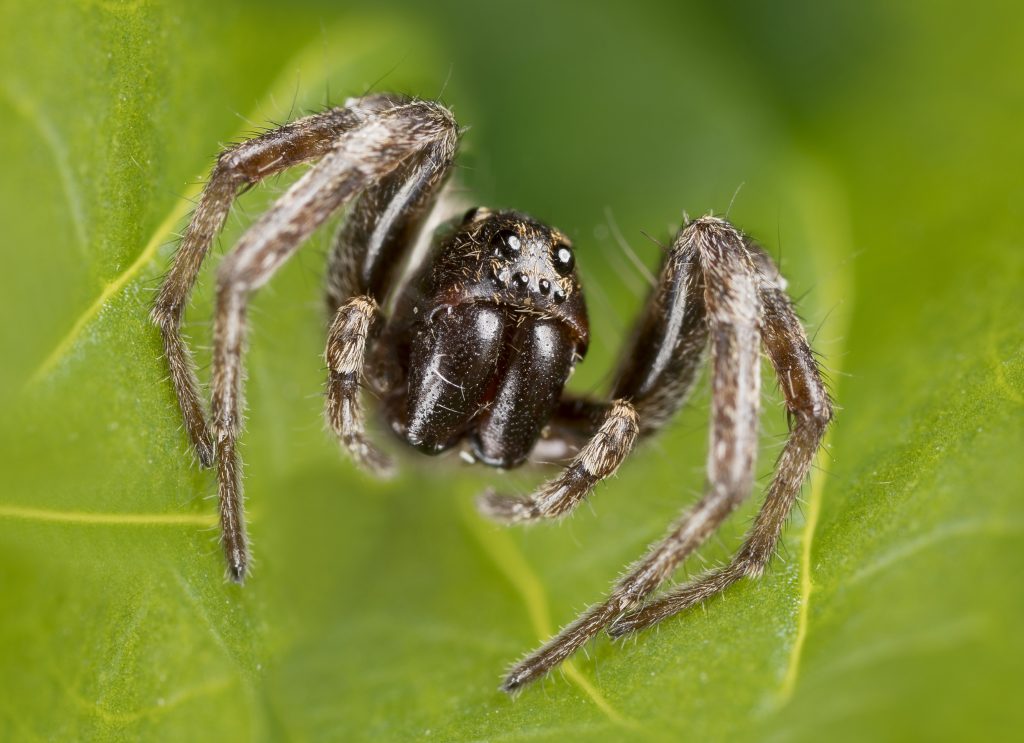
(880, 154)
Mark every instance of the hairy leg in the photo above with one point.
(733, 312)
(659, 369)
(810, 411)
(596, 461)
(346, 355)
(378, 233)
(237, 168)
(369, 151)
(382, 225)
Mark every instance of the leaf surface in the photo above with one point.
(880, 156)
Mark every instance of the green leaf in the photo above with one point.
(880, 151)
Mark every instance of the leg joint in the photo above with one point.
(816, 416)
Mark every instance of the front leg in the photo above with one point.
(237, 168)
(367, 154)
(260, 252)
(810, 410)
(733, 316)
(382, 227)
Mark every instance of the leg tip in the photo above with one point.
(238, 567)
(380, 465)
(369, 458)
(713, 227)
(205, 453)
(513, 683)
(503, 509)
(619, 628)
(488, 504)
(524, 674)
(631, 622)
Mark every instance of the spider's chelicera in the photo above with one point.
(480, 336)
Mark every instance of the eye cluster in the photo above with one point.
(531, 269)
(510, 245)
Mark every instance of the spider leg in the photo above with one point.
(659, 369)
(380, 228)
(382, 225)
(365, 154)
(733, 316)
(652, 384)
(810, 409)
(597, 460)
(346, 353)
(238, 167)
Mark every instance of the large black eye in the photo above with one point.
(508, 243)
(563, 260)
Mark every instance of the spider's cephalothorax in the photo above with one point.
(476, 341)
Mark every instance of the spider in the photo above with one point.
(471, 345)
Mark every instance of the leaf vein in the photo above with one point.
(28, 513)
(27, 108)
(504, 553)
(826, 219)
(969, 528)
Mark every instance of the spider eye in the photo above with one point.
(508, 243)
(563, 260)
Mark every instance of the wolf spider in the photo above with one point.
(479, 340)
